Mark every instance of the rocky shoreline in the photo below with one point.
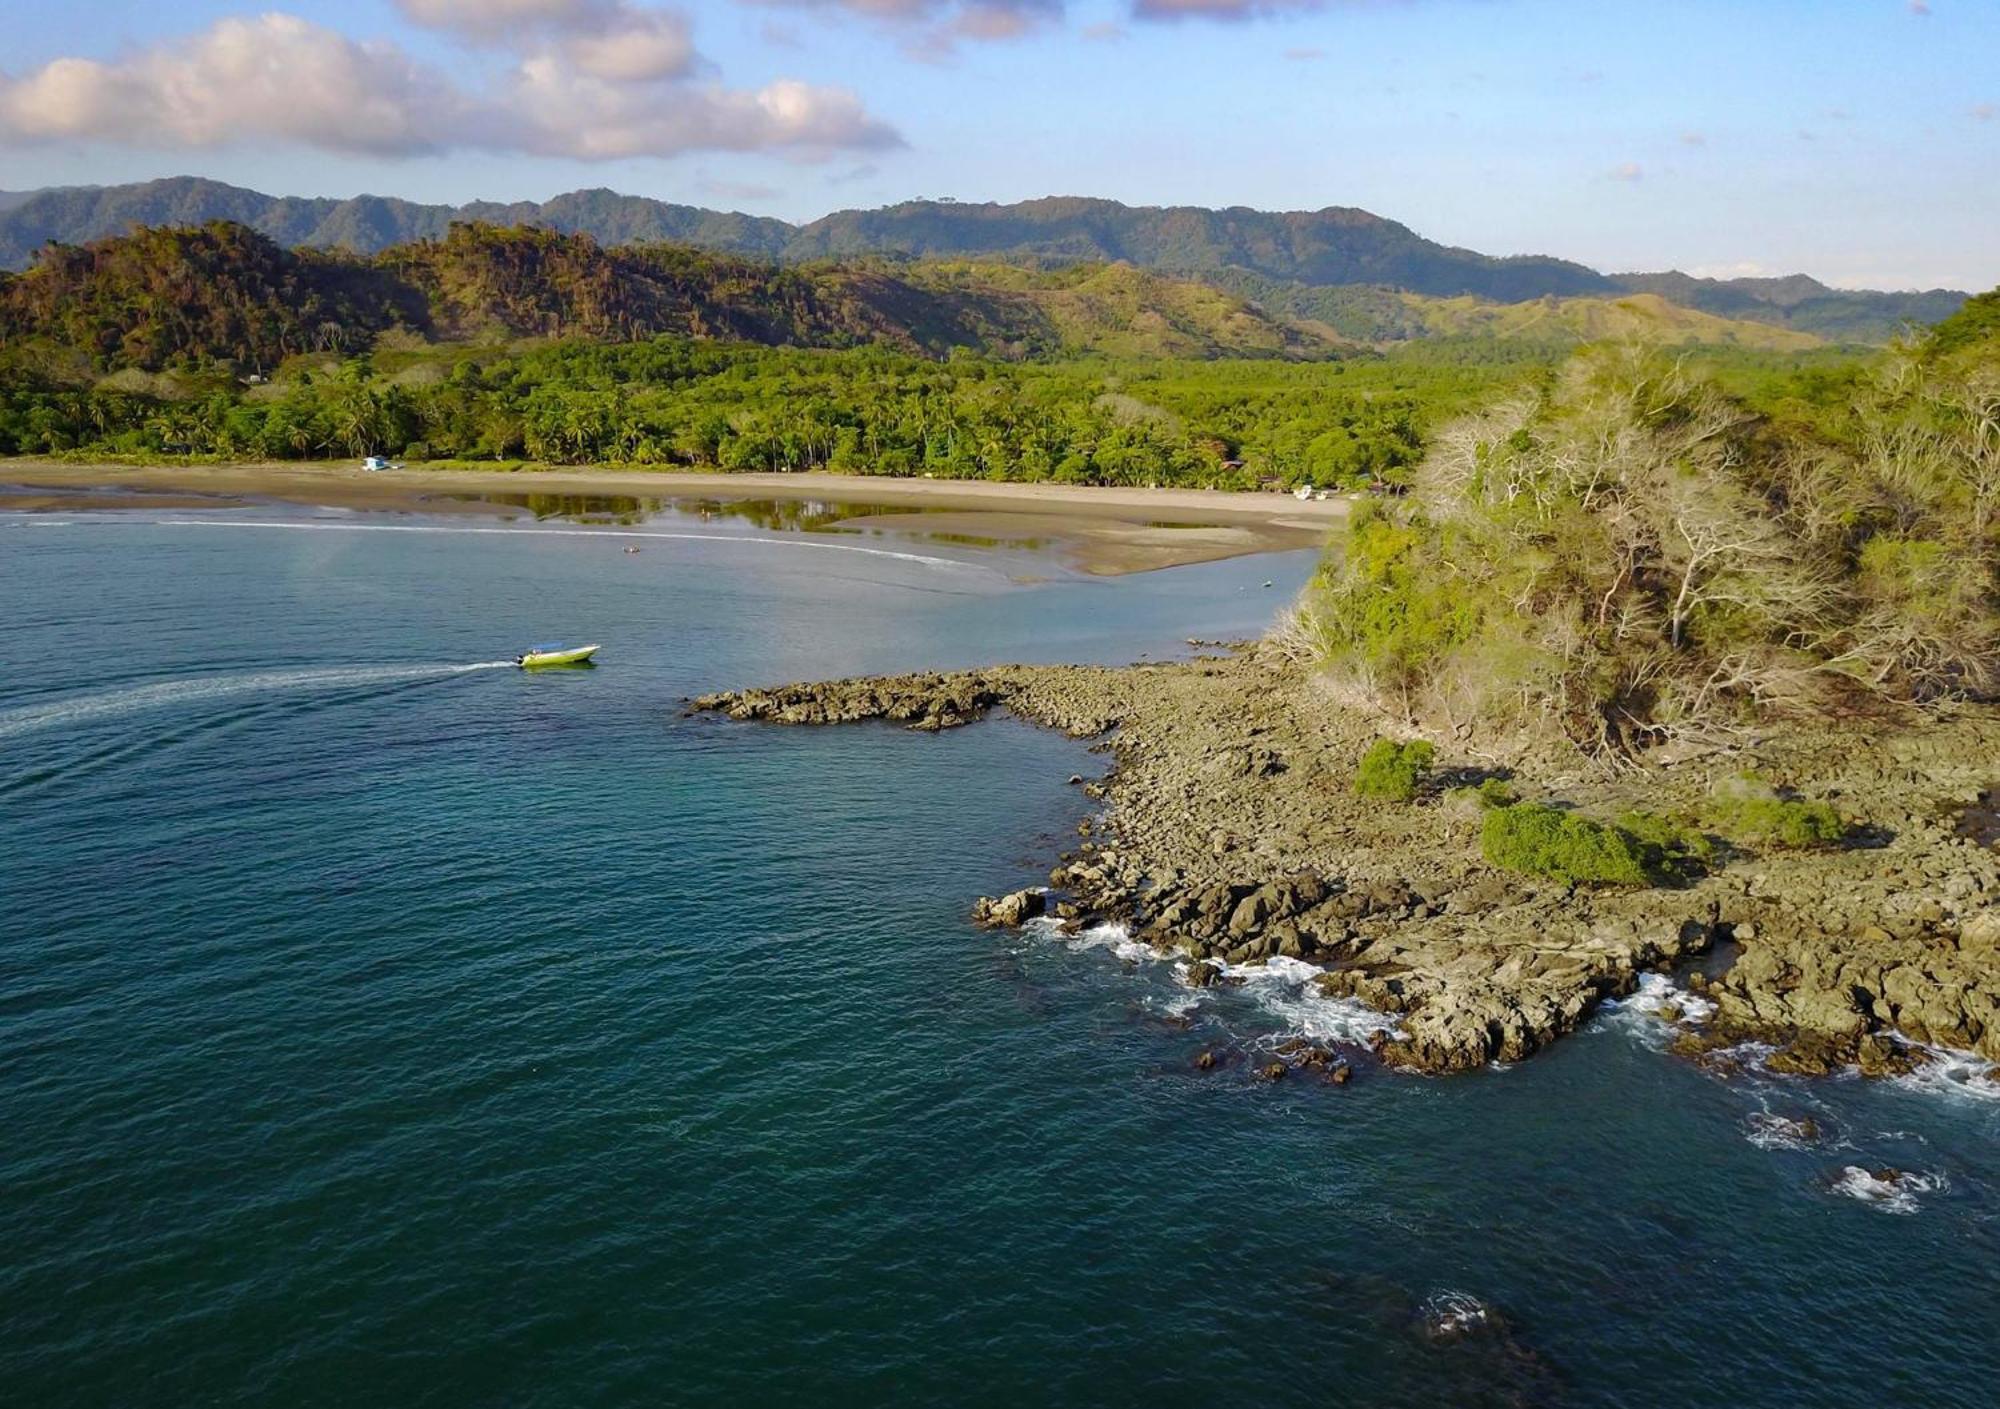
(1232, 834)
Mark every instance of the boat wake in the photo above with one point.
(200, 689)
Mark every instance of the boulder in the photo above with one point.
(1010, 911)
(1203, 973)
(1980, 933)
(1252, 912)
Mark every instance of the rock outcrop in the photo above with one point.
(1233, 837)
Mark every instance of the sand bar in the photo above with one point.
(1101, 529)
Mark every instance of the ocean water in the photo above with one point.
(381, 1025)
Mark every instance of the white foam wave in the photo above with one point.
(163, 694)
(1954, 1075)
(1890, 1191)
(1285, 989)
(1768, 1130)
(1105, 934)
(1657, 991)
(321, 527)
(1452, 1315)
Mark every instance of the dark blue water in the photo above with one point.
(375, 1030)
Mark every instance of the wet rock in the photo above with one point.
(1880, 1055)
(1010, 911)
(1812, 1054)
(1204, 973)
(1206, 1060)
(1273, 1071)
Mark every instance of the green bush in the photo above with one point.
(1545, 841)
(1780, 822)
(1748, 809)
(1672, 849)
(1489, 794)
(1393, 771)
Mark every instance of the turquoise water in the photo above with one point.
(379, 1029)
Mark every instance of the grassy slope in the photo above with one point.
(1646, 318)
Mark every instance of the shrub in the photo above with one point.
(1748, 809)
(1393, 771)
(1489, 794)
(1545, 841)
(1672, 849)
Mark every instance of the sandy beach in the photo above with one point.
(1101, 530)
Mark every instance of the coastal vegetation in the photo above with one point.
(1628, 552)
(1394, 771)
(677, 402)
(1563, 846)
(1749, 809)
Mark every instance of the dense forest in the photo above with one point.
(675, 401)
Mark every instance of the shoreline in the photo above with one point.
(1103, 530)
(1232, 835)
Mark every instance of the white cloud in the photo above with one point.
(494, 19)
(275, 76)
(937, 25)
(612, 39)
(1218, 9)
(933, 29)
(1627, 171)
(577, 89)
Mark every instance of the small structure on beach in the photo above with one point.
(376, 462)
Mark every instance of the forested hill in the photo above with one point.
(360, 224)
(222, 292)
(1332, 248)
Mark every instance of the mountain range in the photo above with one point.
(1287, 261)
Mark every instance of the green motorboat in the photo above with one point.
(537, 656)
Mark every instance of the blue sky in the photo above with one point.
(1857, 140)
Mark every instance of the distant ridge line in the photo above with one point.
(1283, 251)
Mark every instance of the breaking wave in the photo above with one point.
(1887, 1190)
(1768, 1130)
(1453, 1315)
(1284, 988)
(1953, 1074)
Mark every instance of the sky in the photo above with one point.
(1855, 140)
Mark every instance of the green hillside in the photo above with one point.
(221, 292)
